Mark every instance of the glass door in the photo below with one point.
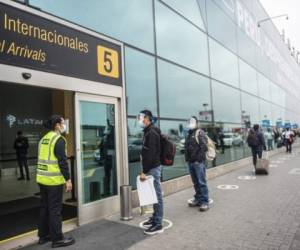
(97, 156)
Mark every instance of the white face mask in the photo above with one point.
(191, 124)
(140, 119)
(63, 129)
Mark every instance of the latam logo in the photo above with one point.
(13, 121)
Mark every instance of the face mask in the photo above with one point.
(63, 129)
(191, 124)
(140, 120)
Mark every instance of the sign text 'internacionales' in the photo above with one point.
(31, 41)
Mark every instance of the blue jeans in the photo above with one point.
(198, 174)
(158, 207)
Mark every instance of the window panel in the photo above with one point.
(182, 93)
(248, 79)
(224, 64)
(226, 102)
(250, 107)
(180, 41)
(189, 9)
(220, 26)
(264, 87)
(140, 82)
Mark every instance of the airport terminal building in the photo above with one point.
(98, 63)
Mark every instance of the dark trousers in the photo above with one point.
(50, 222)
(288, 146)
(256, 152)
(22, 162)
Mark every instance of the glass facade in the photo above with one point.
(200, 55)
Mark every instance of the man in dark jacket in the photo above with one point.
(195, 156)
(150, 157)
(257, 143)
(21, 146)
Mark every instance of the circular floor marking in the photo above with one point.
(247, 177)
(228, 187)
(168, 222)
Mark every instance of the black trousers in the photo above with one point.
(288, 146)
(256, 153)
(50, 221)
(22, 161)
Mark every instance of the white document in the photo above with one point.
(146, 191)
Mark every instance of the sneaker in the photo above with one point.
(148, 223)
(204, 207)
(154, 229)
(193, 203)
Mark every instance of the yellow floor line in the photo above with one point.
(31, 232)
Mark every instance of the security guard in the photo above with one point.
(52, 175)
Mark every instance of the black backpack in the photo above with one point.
(168, 151)
(252, 140)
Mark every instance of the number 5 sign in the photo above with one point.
(108, 62)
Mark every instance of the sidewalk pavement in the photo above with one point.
(263, 213)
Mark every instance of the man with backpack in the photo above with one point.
(151, 163)
(195, 155)
(256, 142)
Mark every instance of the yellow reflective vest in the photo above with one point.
(48, 171)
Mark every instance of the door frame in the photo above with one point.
(100, 208)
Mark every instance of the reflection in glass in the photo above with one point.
(180, 41)
(140, 82)
(127, 20)
(248, 78)
(189, 9)
(250, 108)
(220, 26)
(177, 101)
(135, 136)
(224, 64)
(98, 151)
(226, 101)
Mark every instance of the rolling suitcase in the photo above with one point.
(262, 165)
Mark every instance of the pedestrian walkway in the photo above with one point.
(261, 212)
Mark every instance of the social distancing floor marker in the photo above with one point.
(247, 177)
(165, 221)
(276, 162)
(295, 171)
(228, 187)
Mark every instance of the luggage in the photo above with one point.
(168, 151)
(262, 166)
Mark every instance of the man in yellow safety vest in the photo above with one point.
(52, 175)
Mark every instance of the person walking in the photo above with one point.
(288, 137)
(150, 157)
(52, 174)
(21, 146)
(195, 156)
(269, 138)
(257, 143)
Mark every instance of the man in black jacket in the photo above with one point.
(257, 143)
(150, 157)
(195, 156)
(21, 146)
